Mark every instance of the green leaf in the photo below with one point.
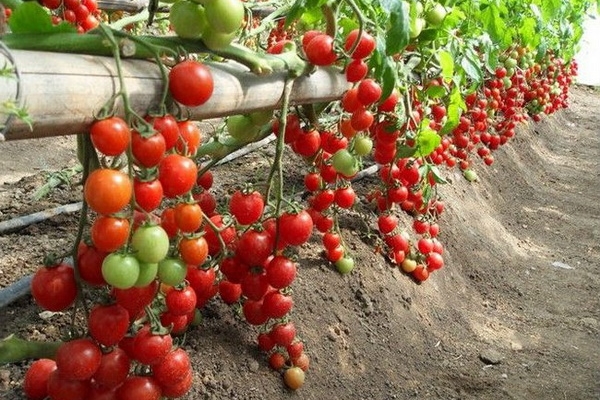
(31, 17)
(426, 141)
(398, 34)
(455, 108)
(405, 151)
(435, 92)
(472, 65)
(447, 64)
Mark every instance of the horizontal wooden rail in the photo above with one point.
(61, 92)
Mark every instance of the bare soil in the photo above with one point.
(514, 314)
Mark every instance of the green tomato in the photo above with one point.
(150, 243)
(120, 270)
(172, 271)
(510, 63)
(344, 162)
(240, 127)
(148, 273)
(435, 16)
(344, 265)
(259, 118)
(224, 16)
(416, 27)
(216, 40)
(363, 145)
(470, 175)
(188, 19)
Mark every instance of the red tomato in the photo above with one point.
(67, 389)
(181, 301)
(177, 174)
(364, 47)
(320, 50)
(54, 288)
(283, 334)
(247, 208)
(113, 369)
(108, 324)
(139, 387)
(110, 136)
(35, 383)
(191, 83)
(173, 368)
(230, 292)
(295, 228)
(254, 247)
(150, 348)
(148, 151)
(136, 298)
(107, 191)
(148, 194)
(78, 359)
(89, 263)
(228, 235)
(190, 138)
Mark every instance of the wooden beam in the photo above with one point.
(61, 92)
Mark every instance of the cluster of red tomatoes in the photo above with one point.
(84, 14)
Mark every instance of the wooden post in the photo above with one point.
(61, 92)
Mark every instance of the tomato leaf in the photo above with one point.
(398, 34)
(447, 64)
(427, 140)
(455, 107)
(31, 17)
(471, 65)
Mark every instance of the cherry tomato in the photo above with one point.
(173, 368)
(110, 136)
(35, 383)
(120, 270)
(149, 348)
(320, 50)
(78, 359)
(107, 191)
(54, 288)
(171, 271)
(295, 228)
(108, 324)
(190, 138)
(148, 151)
(148, 194)
(150, 243)
(191, 83)
(193, 250)
(225, 16)
(109, 233)
(344, 265)
(177, 174)
(364, 47)
(67, 389)
(114, 368)
(181, 301)
(139, 387)
(188, 19)
(294, 378)
(188, 217)
(254, 247)
(247, 208)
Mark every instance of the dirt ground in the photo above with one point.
(514, 314)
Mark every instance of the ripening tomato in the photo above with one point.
(188, 217)
(109, 233)
(191, 83)
(110, 136)
(89, 263)
(107, 191)
(193, 250)
(294, 377)
(54, 288)
(177, 174)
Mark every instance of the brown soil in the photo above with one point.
(375, 334)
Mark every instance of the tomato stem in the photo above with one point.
(14, 349)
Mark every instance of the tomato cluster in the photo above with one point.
(84, 14)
